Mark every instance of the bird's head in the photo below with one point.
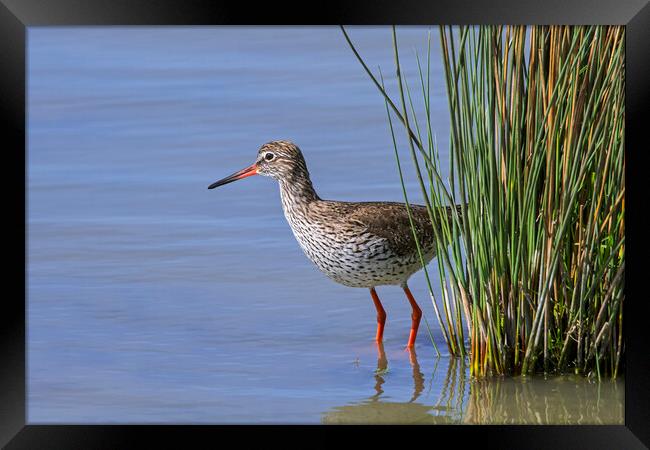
(276, 159)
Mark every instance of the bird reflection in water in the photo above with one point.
(382, 369)
(375, 409)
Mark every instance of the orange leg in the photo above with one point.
(381, 315)
(415, 317)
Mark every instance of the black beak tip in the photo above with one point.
(220, 183)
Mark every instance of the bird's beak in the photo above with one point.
(247, 172)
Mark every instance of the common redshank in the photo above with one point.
(357, 244)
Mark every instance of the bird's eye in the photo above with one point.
(269, 156)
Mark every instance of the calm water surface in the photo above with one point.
(154, 300)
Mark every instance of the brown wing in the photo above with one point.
(391, 222)
(388, 220)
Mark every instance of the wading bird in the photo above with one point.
(357, 244)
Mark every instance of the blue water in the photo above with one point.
(152, 299)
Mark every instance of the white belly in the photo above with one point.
(356, 260)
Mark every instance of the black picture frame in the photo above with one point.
(17, 15)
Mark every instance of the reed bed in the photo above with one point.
(532, 278)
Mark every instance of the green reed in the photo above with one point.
(537, 162)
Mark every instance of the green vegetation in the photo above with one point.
(537, 162)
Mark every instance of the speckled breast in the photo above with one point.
(352, 256)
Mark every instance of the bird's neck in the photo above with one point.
(297, 191)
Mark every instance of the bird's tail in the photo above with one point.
(459, 210)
